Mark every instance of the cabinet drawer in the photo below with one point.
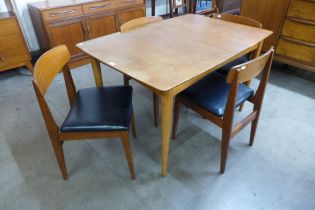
(299, 29)
(98, 7)
(124, 3)
(304, 9)
(60, 13)
(9, 26)
(294, 49)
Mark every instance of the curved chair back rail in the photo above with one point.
(139, 22)
(238, 19)
(249, 70)
(48, 66)
(84, 106)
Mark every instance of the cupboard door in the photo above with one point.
(67, 32)
(129, 14)
(101, 24)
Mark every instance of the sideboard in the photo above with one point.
(73, 21)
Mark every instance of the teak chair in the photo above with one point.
(129, 26)
(244, 21)
(139, 22)
(94, 112)
(216, 97)
(240, 20)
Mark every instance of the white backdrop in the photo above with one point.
(2, 6)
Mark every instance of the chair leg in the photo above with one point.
(176, 117)
(226, 135)
(133, 125)
(253, 132)
(156, 109)
(127, 149)
(57, 145)
(254, 124)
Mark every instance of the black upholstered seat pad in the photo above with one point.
(100, 109)
(225, 69)
(211, 93)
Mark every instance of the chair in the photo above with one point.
(216, 97)
(129, 26)
(241, 20)
(94, 112)
(139, 22)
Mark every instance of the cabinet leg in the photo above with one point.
(29, 66)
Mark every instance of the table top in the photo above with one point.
(166, 54)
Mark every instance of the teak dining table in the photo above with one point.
(169, 56)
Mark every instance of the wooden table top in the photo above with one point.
(166, 54)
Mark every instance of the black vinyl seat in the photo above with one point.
(225, 69)
(100, 109)
(212, 93)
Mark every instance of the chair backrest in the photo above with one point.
(45, 70)
(48, 66)
(243, 73)
(238, 19)
(136, 23)
(247, 71)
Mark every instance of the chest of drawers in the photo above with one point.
(296, 45)
(13, 49)
(293, 23)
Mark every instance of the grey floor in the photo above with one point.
(278, 172)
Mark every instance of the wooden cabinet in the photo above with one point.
(101, 24)
(268, 12)
(13, 49)
(74, 21)
(68, 32)
(293, 24)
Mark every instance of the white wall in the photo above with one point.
(27, 26)
(3, 8)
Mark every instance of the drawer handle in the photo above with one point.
(301, 21)
(100, 6)
(296, 41)
(63, 13)
(2, 59)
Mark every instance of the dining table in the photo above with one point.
(171, 55)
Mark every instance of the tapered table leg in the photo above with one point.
(97, 72)
(167, 103)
